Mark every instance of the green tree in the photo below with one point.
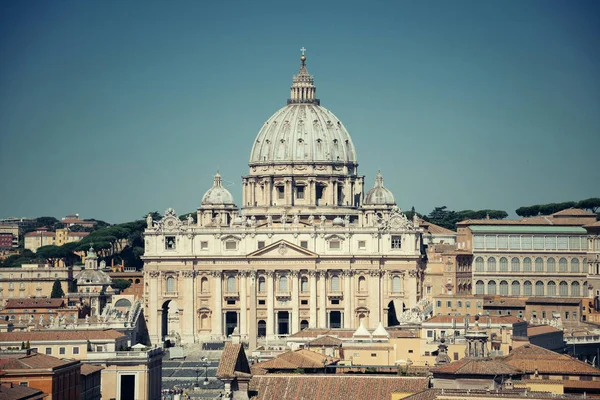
(592, 204)
(57, 291)
(120, 284)
(52, 253)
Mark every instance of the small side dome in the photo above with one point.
(217, 194)
(338, 221)
(238, 220)
(379, 195)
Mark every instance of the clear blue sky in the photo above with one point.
(115, 108)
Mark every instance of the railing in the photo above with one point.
(126, 355)
(280, 293)
(582, 339)
(171, 294)
(229, 294)
(335, 293)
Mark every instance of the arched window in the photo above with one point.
(562, 265)
(575, 289)
(515, 288)
(479, 264)
(551, 265)
(137, 281)
(563, 289)
(491, 264)
(539, 288)
(204, 285)
(527, 288)
(539, 265)
(527, 264)
(283, 283)
(335, 283)
(170, 284)
(503, 288)
(551, 289)
(304, 284)
(479, 287)
(396, 284)
(585, 289)
(515, 265)
(491, 287)
(574, 265)
(231, 287)
(503, 264)
(362, 284)
(261, 284)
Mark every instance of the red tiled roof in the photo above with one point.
(233, 361)
(325, 341)
(477, 366)
(435, 229)
(574, 212)
(460, 319)
(314, 333)
(33, 303)
(38, 234)
(333, 387)
(18, 392)
(41, 336)
(88, 369)
(541, 330)
(297, 359)
(530, 358)
(34, 361)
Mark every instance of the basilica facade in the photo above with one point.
(307, 248)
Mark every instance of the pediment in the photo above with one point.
(282, 249)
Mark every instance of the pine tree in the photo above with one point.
(57, 291)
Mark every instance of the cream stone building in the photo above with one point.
(307, 248)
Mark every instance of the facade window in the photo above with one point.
(169, 242)
(527, 264)
(203, 245)
(396, 284)
(61, 350)
(515, 265)
(515, 288)
(170, 284)
(491, 287)
(304, 302)
(478, 242)
(562, 265)
(574, 243)
(304, 284)
(503, 242)
(550, 242)
(231, 284)
(491, 264)
(335, 283)
(204, 285)
(515, 242)
(478, 304)
(261, 244)
(503, 264)
(334, 244)
(539, 288)
(396, 242)
(551, 288)
(262, 302)
(48, 350)
(526, 242)
(304, 244)
(575, 289)
(280, 192)
(479, 287)
(574, 265)
(538, 242)
(362, 284)
(261, 285)
(539, 265)
(490, 241)
(563, 289)
(438, 303)
(231, 245)
(479, 264)
(300, 192)
(562, 243)
(459, 304)
(362, 244)
(467, 305)
(25, 384)
(283, 284)
(503, 288)
(551, 265)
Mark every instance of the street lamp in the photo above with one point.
(205, 382)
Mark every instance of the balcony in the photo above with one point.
(335, 294)
(171, 294)
(231, 295)
(283, 294)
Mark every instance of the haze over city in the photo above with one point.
(114, 109)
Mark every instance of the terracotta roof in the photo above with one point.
(297, 359)
(41, 336)
(325, 341)
(593, 225)
(18, 392)
(460, 319)
(88, 369)
(34, 303)
(34, 361)
(435, 229)
(553, 300)
(504, 302)
(332, 387)
(530, 357)
(38, 234)
(314, 333)
(541, 330)
(78, 234)
(477, 366)
(574, 212)
(539, 220)
(398, 333)
(233, 361)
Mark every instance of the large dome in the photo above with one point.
(303, 131)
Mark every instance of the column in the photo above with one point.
(374, 300)
(295, 323)
(252, 323)
(189, 318)
(243, 321)
(347, 298)
(270, 305)
(323, 300)
(313, 299)
(154, 319)
(217, 314)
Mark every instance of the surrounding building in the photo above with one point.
(33, 280)
(308, 250)
(42, 237)
(34, 310)
(541, 256)
(10, 391)
(135, 277)
(93, 286)
(448, 271)
(73, 219)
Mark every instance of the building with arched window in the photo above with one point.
(307, 246)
